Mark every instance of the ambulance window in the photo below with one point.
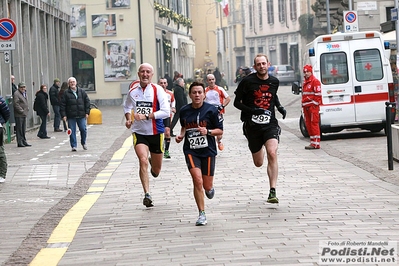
(334, 68)
(368, 65)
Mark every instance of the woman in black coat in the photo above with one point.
(41, 108)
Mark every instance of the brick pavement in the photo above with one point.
(332, 199)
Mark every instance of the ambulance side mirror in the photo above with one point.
(296, 88)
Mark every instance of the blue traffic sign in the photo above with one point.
(350, 17)
(7, 29)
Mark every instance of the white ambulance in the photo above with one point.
(356, 80)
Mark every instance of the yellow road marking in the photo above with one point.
(63, 234)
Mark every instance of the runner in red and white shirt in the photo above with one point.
(218, 97)
(163, 82)
(150, 105)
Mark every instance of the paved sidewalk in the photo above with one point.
(328, 200)
(322, 197)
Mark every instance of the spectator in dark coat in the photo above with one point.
(180, 99)
(170, 81)
(13, 86)
(4, 117)
(64, 87)
(41, 108)
(21, 110)
(56, 104)
(218, 77)
(75, 108)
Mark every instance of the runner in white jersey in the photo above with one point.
(150, 105)
(218, 97)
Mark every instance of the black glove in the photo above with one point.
(282, 111)
(220, 107)
(257, 111)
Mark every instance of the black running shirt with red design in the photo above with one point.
(254, 92)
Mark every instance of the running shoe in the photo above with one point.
(152, 172)
(220, 146)
(147, 201)
(166, 155)
(272, 197)
(209, 194)
(201, 219)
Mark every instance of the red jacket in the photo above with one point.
(311, 91)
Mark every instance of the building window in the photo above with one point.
(260, 14)
(281, 11)
(83, 70)
(293, 14)
(270, 12)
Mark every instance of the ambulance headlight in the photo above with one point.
(311, 52)
(386, 45)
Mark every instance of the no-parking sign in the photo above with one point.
(350, 21)
(7, 29)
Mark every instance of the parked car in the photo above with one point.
(284, 73)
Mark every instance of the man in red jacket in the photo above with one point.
(311, 100)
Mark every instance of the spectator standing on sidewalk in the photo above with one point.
(218, 97)
(218, 77)
(169, 80)
(4, 117)
(41, 108)
(75, 108)
(311, 100)
(55, 104)
(14, 87)
(181, 100)
(200, 123)
(150, 105)
(163, 82)
(64, 87)
(256, 98)
(21, 110)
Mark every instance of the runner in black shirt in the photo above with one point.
(256, 97)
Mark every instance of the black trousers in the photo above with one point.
(176, 117)
(20, 125)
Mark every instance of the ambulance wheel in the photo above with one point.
(302, 127)
(376, 129)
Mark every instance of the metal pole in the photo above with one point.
(140, 32)
(388, 115)
(397, 27)
(328, 16)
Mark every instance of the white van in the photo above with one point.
(356, 80)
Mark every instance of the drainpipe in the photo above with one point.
(140, 33)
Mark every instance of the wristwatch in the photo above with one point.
(147, 116)
(209, 132)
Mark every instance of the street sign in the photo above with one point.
(5, 46)
(394, 14)
(350, 21)
(7, 57)
(7, 29)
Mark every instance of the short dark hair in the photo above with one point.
(195, 83)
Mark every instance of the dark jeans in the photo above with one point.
(20, 125)
(43, 130)
(81, 122)
(57, 116)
